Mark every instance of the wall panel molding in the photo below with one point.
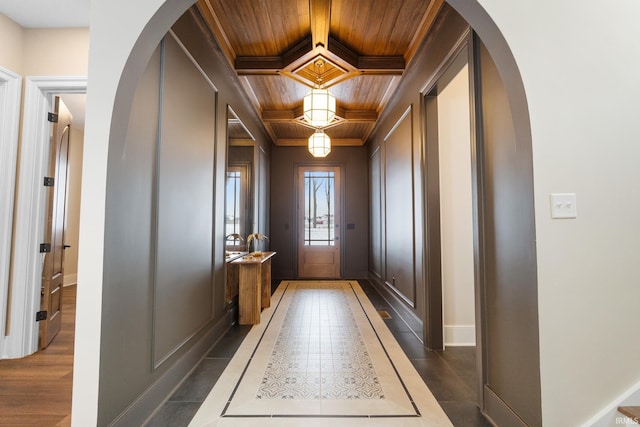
(183, 279)
(399, 207)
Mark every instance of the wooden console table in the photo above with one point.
(254, 286)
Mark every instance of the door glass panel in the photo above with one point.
(234, 214)
(319, 219)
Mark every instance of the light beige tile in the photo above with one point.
(323, 325)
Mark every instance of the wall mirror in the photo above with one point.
(239, 191)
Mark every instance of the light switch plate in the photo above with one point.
(563, 205)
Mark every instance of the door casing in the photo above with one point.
(30, 202)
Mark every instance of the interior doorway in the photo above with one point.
(30, 207)
(319, 222)
(456, 211)
(453, 289)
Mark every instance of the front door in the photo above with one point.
(319, 222)
(53, 270)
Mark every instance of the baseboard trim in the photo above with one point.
(459, 335)
(400, 307)
(609, 415)
(143, 408)
(499, 412)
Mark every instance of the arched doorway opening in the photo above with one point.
(116, 67)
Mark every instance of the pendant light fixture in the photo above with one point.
(319, 105)
(319, 144)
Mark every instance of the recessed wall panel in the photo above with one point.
(399, 221)
(183, 274)
(375, 215)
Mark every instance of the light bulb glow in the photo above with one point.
(319, 144)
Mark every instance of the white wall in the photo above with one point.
(579, 62)
(456, 220)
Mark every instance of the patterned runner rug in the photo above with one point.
(321, 355)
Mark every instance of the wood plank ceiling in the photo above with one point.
(358, 49)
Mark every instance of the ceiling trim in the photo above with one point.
(213, 22)
(428, 19)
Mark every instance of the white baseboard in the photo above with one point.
(459, 335)
(70, 279)
(609, 416)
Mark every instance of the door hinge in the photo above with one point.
(52, 117)
(41, 315)
(49, 181)
(45, 247)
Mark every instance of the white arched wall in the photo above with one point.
(583, 141)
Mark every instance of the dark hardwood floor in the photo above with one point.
(36, 390)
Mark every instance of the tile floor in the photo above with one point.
(450, 375)
(319, 352)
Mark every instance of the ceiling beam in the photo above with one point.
(320, 12)
(337, 142)
(260, 65)
(353, 116)
(273, 116)
(346, 57)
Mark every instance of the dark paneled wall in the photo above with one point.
(284, 163)
(185, 219)
(163, 299)
(396, 175)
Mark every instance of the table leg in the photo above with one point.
(249, 294)
(266, 284)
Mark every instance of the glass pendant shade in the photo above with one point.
(319, 144)
(319, 107)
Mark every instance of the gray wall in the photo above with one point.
(163, 299)
(353, 161)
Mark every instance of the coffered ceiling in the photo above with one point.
(358, 49)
